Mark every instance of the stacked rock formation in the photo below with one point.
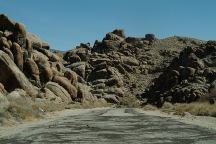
(175, 69)
(190, 77)
(27, 63)
(106, 65)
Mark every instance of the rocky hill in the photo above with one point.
(146, 70)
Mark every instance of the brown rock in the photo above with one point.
(4, 42)
(130, 61)
(74, 58)
(7, 51)
(29, 47)
(31, 70)
(59, 91)
(84, 93)
(65, 83)
(119, 32)
(72, 77)
(11, 77)
(52, 57)
(20, 34)
(6, 23)
(18, 55)
(46, 74)
(49, 95)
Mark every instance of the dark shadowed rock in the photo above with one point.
(6, 23)
(20, 34)
(119, 32)
(11, 77)
(31, 70)
(18, 55)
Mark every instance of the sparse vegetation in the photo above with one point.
(196, 108)
(129, 101)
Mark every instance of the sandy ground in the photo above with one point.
(206, 122)
(203, 121)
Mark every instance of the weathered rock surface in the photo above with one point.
(190, 77)
(11, 76)
(175, 69)
(59, 91)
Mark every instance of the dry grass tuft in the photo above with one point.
(129, 102)
(196, 108)
(149, 107)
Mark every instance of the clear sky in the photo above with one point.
(66, 23)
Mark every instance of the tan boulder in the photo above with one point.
(49, 95)
(71, 76)
(52, 57)
(7, 51)
(59, 91)
(65, 83)
(84, 93)
(4, 42)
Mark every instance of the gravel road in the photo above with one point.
(112, 126)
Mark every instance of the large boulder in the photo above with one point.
(11, 76)
(18, 55)
(6, 23)
(65, 83)
(49, 95)
(4, 42)
(37, 42)
(130, 61)
(72, 77)
(20, 34)
(111, 98)
(31, 70)
(17, 95)
(52, 57)
(79, 68)
(46, 74)
(7, 51)
(84, 93)
(59, 91)
(119, 32)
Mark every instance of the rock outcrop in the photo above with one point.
(175, 69)
(190, 77)
(26, 62)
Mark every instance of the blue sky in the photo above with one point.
(66, 23)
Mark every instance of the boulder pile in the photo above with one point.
(174, 69)
(108, 64)
(27, 63)
(190, 77)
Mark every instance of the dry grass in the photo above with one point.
(149, 107)
(196, 108)
(129, 102)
